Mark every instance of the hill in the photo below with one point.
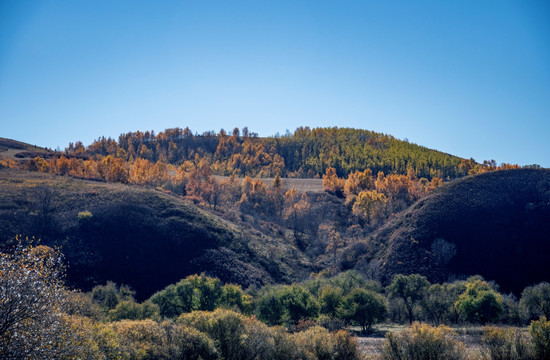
(494, 224)
(305, 153)
(139, 236)
(17, 150)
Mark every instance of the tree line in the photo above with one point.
(304, 153)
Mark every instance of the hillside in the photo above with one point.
(494, 224)
(304, 153)
(139, 236)
(17, 150)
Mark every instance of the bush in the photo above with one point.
(147, 339)
(319, 343)
(540, 332)
(129, 309)
(139, 339)
(506, 344)
(195, 292)
(235, 335)
(422, 341)
(84, 216)
(240, 337)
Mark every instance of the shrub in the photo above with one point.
(319, 343)
(422, 341)
(129, 309)
(147, 339)
(84, 338)
(139, 339)
(84, 216)
(506, 344)
(235, 335)
(195, 292)
(540, 332)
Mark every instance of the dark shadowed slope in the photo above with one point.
(494, 224)
(138, 236)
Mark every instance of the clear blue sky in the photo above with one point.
(471, 78)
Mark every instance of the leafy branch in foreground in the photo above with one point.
(32, 297)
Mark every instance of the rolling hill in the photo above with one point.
(494, 224)
(17, 150)
(139, 236)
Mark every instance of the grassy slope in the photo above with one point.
(301, 185)
(499, 223)
(139, 236)
(12, 149)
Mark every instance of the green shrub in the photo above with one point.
(269, 307)
(84, 216)
(422, 341)
(129, 309)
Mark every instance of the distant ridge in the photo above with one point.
(17, 150)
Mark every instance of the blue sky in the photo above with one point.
(471, 78)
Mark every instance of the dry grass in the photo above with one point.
(301, 185)
(9, 149)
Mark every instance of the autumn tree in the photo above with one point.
(140, 171)
(332, 183)
(113, 169)
(370, 206)
(358, 181)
